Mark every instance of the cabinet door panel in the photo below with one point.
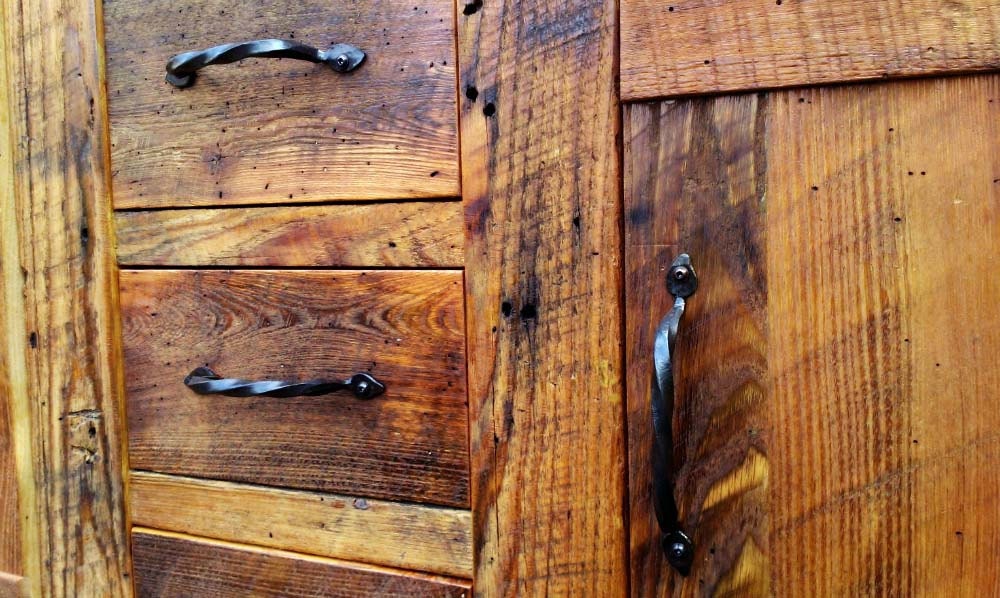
(836, 393)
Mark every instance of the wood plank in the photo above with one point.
(58, 266)
(842, 337)
(694, 179)
(11, 586)
(404, 327)
(408, 536)
(426, 234)
(271, 131)
(12, 368)
(893, 328)
(539, 120)
(170, 564)
(695, 47)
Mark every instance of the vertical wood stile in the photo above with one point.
(61, 327)
(539, 130)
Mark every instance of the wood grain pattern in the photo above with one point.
(59, 327)
(12, 368)
(173, 565)
(539, 120)
(409, 536)
(11, 586)
(270, 131)
(399, 234)
(404, 327)
(694, 181)
(693, 46)
(842, 336)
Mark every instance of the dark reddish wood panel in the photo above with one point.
(405, 327)
(169, 565)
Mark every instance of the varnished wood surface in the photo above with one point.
(170, 565)
(59, 324)
(691, 190)
(12, 369)
(679, 47)
(11, 586)
(406, 328)
(425, 234)
(539, 121)
(407, 536)
(836, 387)
(282, 131)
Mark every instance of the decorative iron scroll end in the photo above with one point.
(679, 550)
(365, 386)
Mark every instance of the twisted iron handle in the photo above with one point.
(206, 382)
(181, 68)
(677, 545)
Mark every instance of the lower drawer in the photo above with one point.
(169, 565)
(406, 328)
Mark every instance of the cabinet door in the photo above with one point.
(837, 398)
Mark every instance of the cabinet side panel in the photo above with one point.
(540, 122)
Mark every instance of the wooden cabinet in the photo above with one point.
(482, 216)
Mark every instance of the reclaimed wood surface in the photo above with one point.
(408, 536)
(679, 47)
(424, 234)
(11, 586)
(13, 406)
(268, 131)
(693, 173)
(168, 565)
(540, 165)
(837, 389)
(59, 323)
(406, 328)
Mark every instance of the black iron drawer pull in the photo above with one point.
(181, 68)
(682, 282)
(206, 382)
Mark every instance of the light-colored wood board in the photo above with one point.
(282, 131)
(406, 328)
(424, 234)
(12, 369)
(407, 536)
(883, 296)
(170, 564)
(680, 47)
(694, 179)
(540, 121)
(857, 229)
(64, 380)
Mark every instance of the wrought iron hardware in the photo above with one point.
(682, 282)
(206, 382)
(181, 68)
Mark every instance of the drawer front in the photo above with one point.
(169, 565)
(406, 328)
(268, 130)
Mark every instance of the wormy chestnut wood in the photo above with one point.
(282, 131)
(403, 327)
(836, 385)
(540, 119)
(355, 235)
(59, 327)
(678, 47)
(170, 565)
(404, 535)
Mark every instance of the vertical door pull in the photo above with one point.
(682, 282)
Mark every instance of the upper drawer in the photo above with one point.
(280, 130)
